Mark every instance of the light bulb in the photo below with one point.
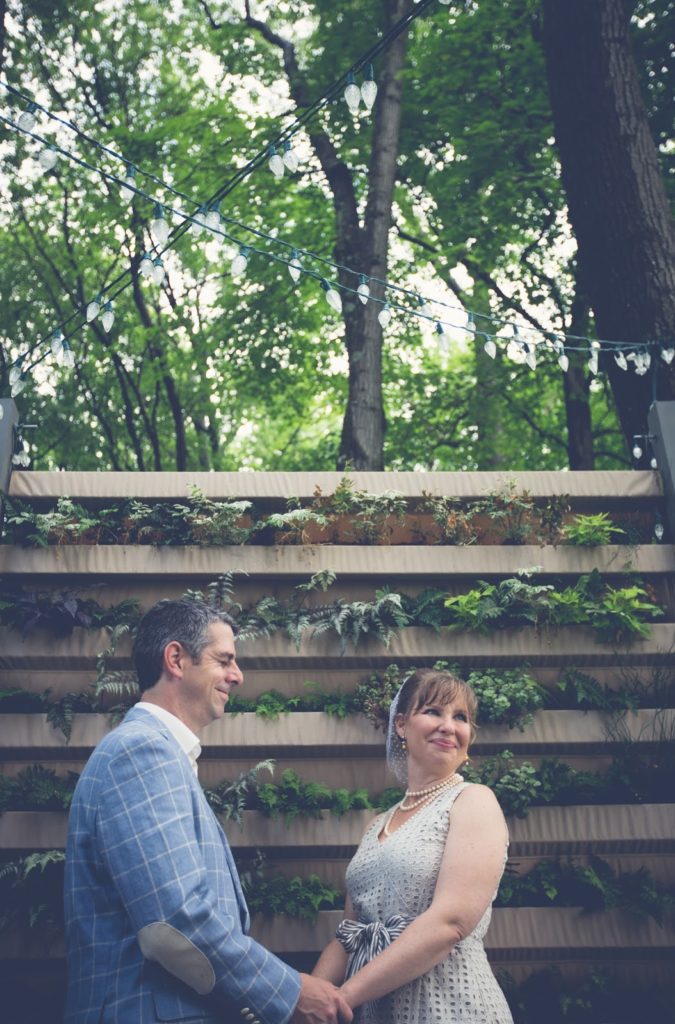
(646, 360)
(159, 227)
(653, 463)
(295, 267)
(446, 3)
(276, 164)
(563, 362)
(641, 364)
(14, 373)
(352, 94)
(127, 189)
(108, 317)
(26, 120)
(93, 309)
(363, 291)
(57, 344)
(18, 385)
(47, 158)
(531, 358)
(637, 452)
(333, 297)
(490, 348)
(291, 159)
(239, 263)
(369, 89)
(158, 272)
(658, 531)
(620, 361)
(212, 219)
(470, 323)
(2, 412)
(145, 268)
(667, 355)
(593, 364)
(384, 316)
(198, 222)
(67, 359)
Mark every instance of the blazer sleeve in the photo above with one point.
(148, 841)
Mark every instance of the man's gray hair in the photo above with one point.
(183, 620)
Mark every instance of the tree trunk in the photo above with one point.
(361, 249)
(577, 397)
(617, 201)
(362, 441)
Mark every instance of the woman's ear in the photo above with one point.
(399, 725)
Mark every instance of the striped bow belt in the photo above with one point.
(363, 941)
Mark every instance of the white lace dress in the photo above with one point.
(398, 877)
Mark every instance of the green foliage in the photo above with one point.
(506, 698)
(593, 886)
(600, 994)
(291, 797)
(515, 786)
(454, 522)
(617, 615)
(36, 788)
(59, 612)
(585, 693)
(60, 713)
(16, 701)
(513, 511)
(511, 602)
(591, 530)
(229, 798)
(292, 526)
(31, 893)
(294, 897)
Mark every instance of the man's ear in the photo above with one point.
(173, 659)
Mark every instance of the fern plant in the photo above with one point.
(230, 797)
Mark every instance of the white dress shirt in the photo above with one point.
(188, 741)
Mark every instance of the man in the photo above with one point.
(155, 916)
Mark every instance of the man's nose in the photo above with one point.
(235, 674)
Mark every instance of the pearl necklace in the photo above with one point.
(425, 794)
(429, 794)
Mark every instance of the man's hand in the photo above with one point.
(320, 1003)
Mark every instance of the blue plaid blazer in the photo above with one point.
(156, 920)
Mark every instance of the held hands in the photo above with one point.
(320, 1003)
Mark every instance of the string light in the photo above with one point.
(295, 267)
(159, 228)
(290, 157)
(198, 221)
(240, 262)
(48, 159)
(128, 189)
(363, 291)
(384, 316)
(352, 94)
(93, 309)
(276, 163)
(107, 317)
(490, 348)
(212, 219)
(658, 530)
(667, 355)
(57, 343)
(333, 297)
(27, 119)
(158, 272)
(145, 266)
(620, 360)
(369, 89)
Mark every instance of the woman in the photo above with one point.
(420, 887)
